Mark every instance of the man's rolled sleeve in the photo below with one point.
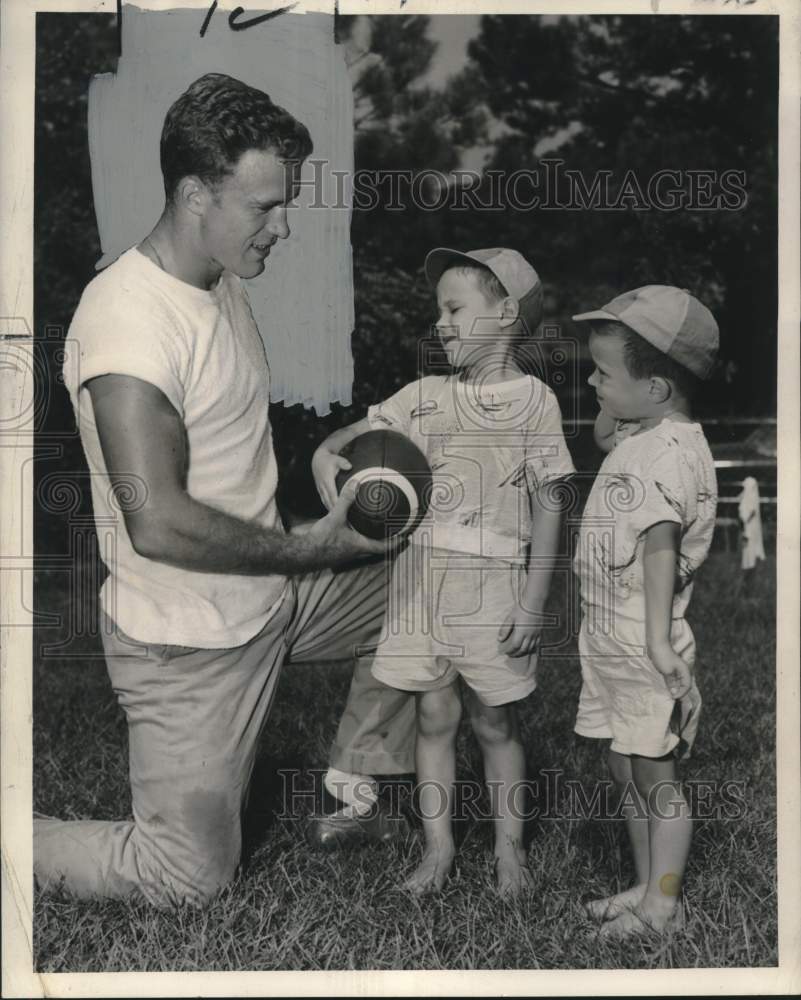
(128, 342)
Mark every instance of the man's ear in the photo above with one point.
(193, 194)
(659, 389)
(510, 311)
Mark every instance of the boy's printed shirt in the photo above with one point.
(488, 446)
(663, 474)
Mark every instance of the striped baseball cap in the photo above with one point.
(511, 268)
(671, 320)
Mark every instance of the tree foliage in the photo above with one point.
(642, 95)
(71, 49)
(400, 121)
(403, 126)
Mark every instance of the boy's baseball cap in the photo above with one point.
(512, 269)
(670, 319)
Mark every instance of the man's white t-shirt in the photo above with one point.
(203, 351)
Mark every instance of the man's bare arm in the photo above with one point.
(143, 438)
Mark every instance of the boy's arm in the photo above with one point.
(661, 548)
(520, 632)
(604, 431)
(327, 462)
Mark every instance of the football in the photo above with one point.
(394, 483)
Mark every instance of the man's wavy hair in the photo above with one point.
(216, 121)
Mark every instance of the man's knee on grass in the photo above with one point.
(163, 882)
(196, 852)
(196, 884)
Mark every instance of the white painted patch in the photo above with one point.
(303, 302)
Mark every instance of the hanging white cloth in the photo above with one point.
(303, 303)
(751, 520)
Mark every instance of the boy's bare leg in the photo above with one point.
(498, 734)
(438, 715)
(635, 811)
(670, 833)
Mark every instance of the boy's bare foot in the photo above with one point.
(432, 872)
(640, 921)
(612, 906)
(512, 875)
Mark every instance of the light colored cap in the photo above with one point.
(671, 320)
(512, 269)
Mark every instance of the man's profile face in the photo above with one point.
(248, 212)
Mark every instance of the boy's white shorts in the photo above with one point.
(624, 697)
(445, 612)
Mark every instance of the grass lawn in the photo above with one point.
(293, 908)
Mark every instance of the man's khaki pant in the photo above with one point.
(194, 721)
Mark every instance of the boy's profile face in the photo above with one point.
(468, 325)
(620, 395)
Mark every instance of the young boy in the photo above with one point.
(646, 529)
(465, 599)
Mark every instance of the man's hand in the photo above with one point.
(676, 672)
(338, 540)
(520, 633)
(325, 466)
